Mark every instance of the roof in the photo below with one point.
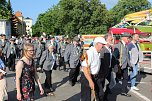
(18, 14)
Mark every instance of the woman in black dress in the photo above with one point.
(26, 74)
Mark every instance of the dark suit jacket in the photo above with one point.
(7, 49)
(105, 62)
(125, 62)
(39, 48)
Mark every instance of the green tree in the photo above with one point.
(37, 28)
(9, 7)
(124, 7)
(99, 17)
(4, 10)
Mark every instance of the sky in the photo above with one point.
(32, 8)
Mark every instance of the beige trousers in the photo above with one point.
(3, 90)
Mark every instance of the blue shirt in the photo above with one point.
(2, 64)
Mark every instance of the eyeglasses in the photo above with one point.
(29, 50)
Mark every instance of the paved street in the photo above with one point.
(64, 92)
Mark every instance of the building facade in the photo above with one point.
(20, 24)
(28, 22)
(5, 27)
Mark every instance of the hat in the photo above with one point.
(76, 38)
(28, 39)
(3, 34)
(100, 40)
(125, 34)
(12, 39)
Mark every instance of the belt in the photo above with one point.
(95, 75)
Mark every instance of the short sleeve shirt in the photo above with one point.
(93, 60)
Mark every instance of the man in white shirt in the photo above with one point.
(90, 68)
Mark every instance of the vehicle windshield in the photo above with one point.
(122, 25)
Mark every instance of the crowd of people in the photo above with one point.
(102, 61)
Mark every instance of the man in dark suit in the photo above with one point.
(3, 42)
(122, 55)
(72, 56)
(39, 48)
(106, 58)
(10, 52)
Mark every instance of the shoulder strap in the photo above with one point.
(22, 61)
(120, 59)
(85, 56)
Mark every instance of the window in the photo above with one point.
(7, 23)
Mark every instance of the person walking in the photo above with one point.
(60, 52)
(122, 55)
(39, 48)
(10, 51)
(72, 56)
(26, 74)
(90, 72)
(107, 63)
(3, 43)
(135, 56)
(48, 63)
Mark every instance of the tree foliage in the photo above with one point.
(85, 16)
(5, 9)
(73, 17)
(124, 7)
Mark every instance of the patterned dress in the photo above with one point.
(27, 82)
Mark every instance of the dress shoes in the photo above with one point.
(71, 83)
(126, 94)
(52, 89)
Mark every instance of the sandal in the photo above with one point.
(50, 94)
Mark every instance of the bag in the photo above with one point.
(84, 55)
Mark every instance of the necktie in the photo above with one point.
(137, 46)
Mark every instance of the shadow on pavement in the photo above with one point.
(60, 83)
(37, 94)
(75, 97)
(140, 76)
(10, 75)
(115, 92)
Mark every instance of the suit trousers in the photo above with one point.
(86, 91)
(3, 90)
(124, 73)
(37, 61)
(74, 73)
(11, 62)
(48, 81)
(61, 63)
